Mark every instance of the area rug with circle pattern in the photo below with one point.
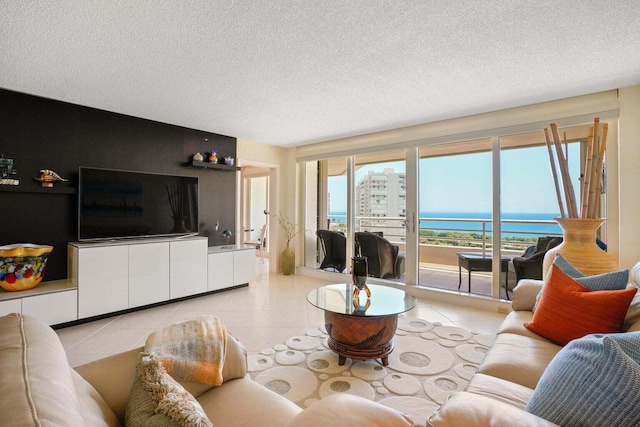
(428, 363)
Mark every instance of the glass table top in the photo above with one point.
(384, 300)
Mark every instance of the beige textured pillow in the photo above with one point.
(156, 399)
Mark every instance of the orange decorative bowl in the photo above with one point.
(22, 265)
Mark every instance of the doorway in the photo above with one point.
(255, 205)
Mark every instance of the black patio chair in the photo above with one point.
(384, 259)
(529, 264)
(334, 249)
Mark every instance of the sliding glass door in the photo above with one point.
(454, 213)
(455, 205)
(380, 206)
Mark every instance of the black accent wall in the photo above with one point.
(40, 133)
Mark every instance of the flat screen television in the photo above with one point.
(118, 204)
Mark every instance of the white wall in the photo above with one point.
(258, 202)
(563, 112)
(282, 197)
(629, 175)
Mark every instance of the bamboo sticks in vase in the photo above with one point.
(593, 171)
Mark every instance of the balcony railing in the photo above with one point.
(517, 234)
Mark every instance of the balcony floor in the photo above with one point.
(441, 276)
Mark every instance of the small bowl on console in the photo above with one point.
(22, 265)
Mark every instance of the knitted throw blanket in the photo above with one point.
(191, 350)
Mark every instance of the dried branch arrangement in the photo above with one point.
(290, 229)
(177, 199)
(593, 171)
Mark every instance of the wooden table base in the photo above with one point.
(361, 338)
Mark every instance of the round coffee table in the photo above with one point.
(359, 327)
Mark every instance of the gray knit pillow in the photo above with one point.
(593, 381)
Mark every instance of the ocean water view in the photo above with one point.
(431, 221)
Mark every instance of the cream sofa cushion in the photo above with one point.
(518, 359)
(112, 377)
(244, 402)
(633, 314)
(505, 391)
(474, 410)
(525, 293)
(38, 387)
(344, 409)
(634, 274)
(95, 410)
(634, 327)
(514, 324)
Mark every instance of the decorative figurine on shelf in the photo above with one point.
(228, 161)
(213, 158)
(198, 157)
(48, 177)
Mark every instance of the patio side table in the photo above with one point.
(481, 262)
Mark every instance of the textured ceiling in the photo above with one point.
(296, 72)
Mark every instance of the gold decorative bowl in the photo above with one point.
(22, 265)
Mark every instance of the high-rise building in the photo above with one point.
(382, 194)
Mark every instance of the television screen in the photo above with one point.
(115, 204)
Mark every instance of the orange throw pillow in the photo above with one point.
(569, 310)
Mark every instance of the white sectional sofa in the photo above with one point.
(512, 368)
(39, 388)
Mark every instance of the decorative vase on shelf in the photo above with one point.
(579, 247)
(287, 261)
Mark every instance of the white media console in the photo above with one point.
(108, 277)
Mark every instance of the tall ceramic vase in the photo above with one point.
(579, 247)
(287, 261)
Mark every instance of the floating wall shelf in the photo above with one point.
(216, 166)
(36, 189)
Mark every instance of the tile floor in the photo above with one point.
(267, 312)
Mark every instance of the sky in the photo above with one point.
(462, 183)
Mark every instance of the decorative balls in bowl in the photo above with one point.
(22, 265)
